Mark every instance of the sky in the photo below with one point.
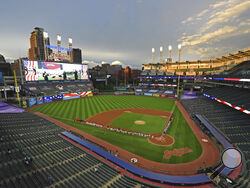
(127, 30)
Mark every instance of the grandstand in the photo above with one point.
(36, 89)
(199, 67)
(233, 124)
(53, 160)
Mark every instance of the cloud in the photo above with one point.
(117, 63)
(189, 19)
(220, 23)
(219, 4)
(225, 15)
(202, 13)
(218, 34)
(90, 63)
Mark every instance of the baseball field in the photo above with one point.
(134, 119)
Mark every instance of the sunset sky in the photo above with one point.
(126, 30)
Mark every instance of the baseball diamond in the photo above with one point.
(121, 112)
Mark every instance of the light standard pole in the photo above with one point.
(45, 40)
(170, 52)
(153, 55)
(179, 59)
(179, 52)
(161, 54)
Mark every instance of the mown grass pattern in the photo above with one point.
(84, 108)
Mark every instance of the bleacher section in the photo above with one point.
(34, 89)
(233, 124)
(55, 161)
(236, 96)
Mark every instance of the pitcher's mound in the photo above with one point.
(161, 139)
(139, 122)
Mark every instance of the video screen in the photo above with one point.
(40, 70)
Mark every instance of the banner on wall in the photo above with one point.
(71, 96)
(138, 93)
(148, 94)
(32, 101)
(163, 96)
(85, 93)
(1, 77)
(39, 100)
(57, 97)
(48, 99)
(53, 98)
(169, 92)
(77, 95)
(24, 104)
(156, 95)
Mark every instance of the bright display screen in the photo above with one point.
(41, 70)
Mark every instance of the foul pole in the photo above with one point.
(16, 88)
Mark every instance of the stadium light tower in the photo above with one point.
(58, 41)
(161, 54)
(169, 52)
(70, 47)
(179, 52)
(45, 41)
(153, 55)
(179, 59)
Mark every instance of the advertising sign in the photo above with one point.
(1, 77)
(48, 99)
(148, 94)
(24, 104)
(41, 70)
(57, 97)
(156, 95)
(32, 101)
(169, 92)
(39, 100)
(193, 93)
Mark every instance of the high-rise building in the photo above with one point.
(37, 50)
(77, 55)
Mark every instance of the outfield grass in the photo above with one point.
(83, 108)
(153, 124)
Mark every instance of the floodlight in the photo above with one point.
(161, 49)
(45, 35)
(58, 37)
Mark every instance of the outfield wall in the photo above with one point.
(55, 98)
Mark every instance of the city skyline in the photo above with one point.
(126, 31)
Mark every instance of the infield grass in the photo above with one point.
(153, 124)
(83, 108)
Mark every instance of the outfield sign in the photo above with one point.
(39, 100)
(1, 77)
(48, 99)
(32, 102)
(148, 94)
